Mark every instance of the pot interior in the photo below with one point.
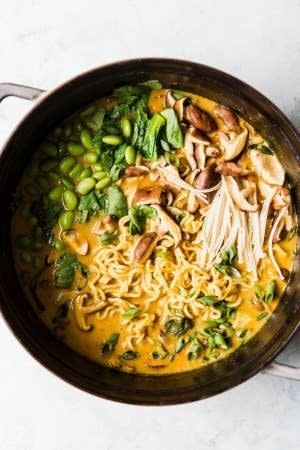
(25, 324)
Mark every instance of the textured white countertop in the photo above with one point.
(42, 43)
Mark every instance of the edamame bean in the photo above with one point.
(32, 221)
(86, 185)
(76, 171)
(86, 139)
(99, 175)
(36, 245)
(53, 177)
(67, 182)
(48, 165)
(59, 245)
(67, 131)
(66, 220)
(26, 257)
(57, 132)
(130, 154)
(91, 157)
(49, 149)
(37, 262)
(85, 173)
(43, 183)
(112, 139)
(70, 200)
(30, 189)
(66, 164)
(75, 149)
(25, 212)
(103, 183)
(126, 127)
(97, 166)
(56, 194)
(37, 233)
(22, 241)
(62, 148)
(32, 168)
(88, 111)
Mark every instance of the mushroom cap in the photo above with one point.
(207, 178)
(145, 247)
(147, 196)
(228, 117)
(232, 169)
(136, 171)
(267, 167)
(200, 119)
(233, 146)
(71, 238)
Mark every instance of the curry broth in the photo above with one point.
(88, 343)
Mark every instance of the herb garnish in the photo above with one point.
(109, 345)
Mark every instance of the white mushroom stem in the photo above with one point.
(239, 196)
(189, 151)
(270, 243)
(167, 225)
(200, 155)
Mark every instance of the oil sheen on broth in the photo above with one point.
(154, 231)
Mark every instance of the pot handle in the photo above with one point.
(18, 90)
(282, 370)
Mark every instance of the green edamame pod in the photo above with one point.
(56, 194)
(22, 241)
(75, 149)
(66, 220)
(91, 157)
(86, 139)
(112, 139)
(100, 175)
(86, 185)
(76, 171)
(126, 127)
(130, 154)
(85, 173)
(70, 200)
(103, 183)
(66, 164)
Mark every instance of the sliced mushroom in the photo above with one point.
(282, 198)
(145, 247)
(148, 196)
(232, 169)
(212, 152)
(71, 238)
(229, 118)
(110, 223)
(267, 167)
(179, 108)
(233, 145)
(198, 118)
(156, 363)
(207, 178)
(279, 229)
(170, 101)
(192, 204)
(136, 171)
(194, 136)
(238, 196)
(167, 225)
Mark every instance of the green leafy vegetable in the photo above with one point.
(227, 259)
(130, 354)
(178, 327)
(65, 270)
(173, 130)
(95, 121)
(151, 84)
(108, 237)
(131, 313)
(178, 95)
(149, 149)
(109, 345)
(119, 164)
(81, 216)
(229, 256)
(181, 343)
(47, 217)
(116, 202)
(220, 341)
(208, 300)
(138, 216)
(89, 203)
(228, 270)
(195, 349)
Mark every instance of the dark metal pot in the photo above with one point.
(51, 108)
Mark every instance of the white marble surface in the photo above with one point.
(41, 44)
